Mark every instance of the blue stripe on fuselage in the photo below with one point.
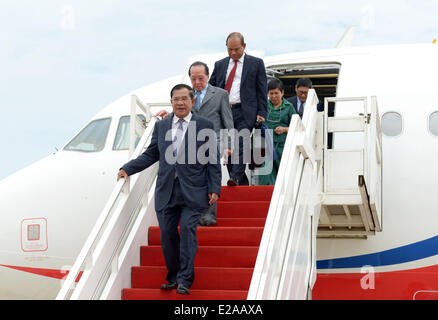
(407, 253)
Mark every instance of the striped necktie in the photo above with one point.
(301, 109)
(178, 137)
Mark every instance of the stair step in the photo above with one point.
(242, 209)
(246, 193)
(241, 222)
(207, 256)
(157, 294)
(207, 278)
(218, 236)
(226, 255)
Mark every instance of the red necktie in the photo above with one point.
(231, 77)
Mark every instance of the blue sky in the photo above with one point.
(62, 61)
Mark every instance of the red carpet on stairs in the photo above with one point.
(227, 252)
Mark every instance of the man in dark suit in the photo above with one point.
(301, 90)
(212, 103)
(244, 77)
(185, 186)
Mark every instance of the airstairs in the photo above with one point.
(324, 188)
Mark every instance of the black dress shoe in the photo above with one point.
(206, 220)
(210, 222)
(169, 286)
(231, 183)
(201, 222)
(182, 289)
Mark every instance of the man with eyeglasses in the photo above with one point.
(212, 103)
(185, 187)
(299, 101)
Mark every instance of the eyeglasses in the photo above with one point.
(183, 99)
(302, 93)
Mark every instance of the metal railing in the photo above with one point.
(100, 258)
(375, 165)
(136, 128)
(286, 257)
(357, 158)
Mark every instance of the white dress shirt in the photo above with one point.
(235, 87)
(175, 126)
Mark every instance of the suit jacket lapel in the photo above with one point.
(191, 123)
(245, 69)
(208, 95)
(296, 103)
(169, 131)
(185, 140)
(224, 72)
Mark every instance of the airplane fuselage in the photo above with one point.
(49, 208)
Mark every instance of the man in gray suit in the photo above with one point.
(212, 103)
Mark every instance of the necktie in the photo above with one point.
(231, 77)
(178, 137)
(301, 109)
(198, 100)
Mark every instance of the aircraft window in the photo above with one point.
(392, 124)
(122, 137)
(92, 138)
(433, 123)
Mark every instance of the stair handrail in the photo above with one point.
(98, 258)
(375, 164)
(300, 153)
(136, 102)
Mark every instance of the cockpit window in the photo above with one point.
(122, 137)
(92, 138)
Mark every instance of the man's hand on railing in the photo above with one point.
(122, 174)
(163, 114)
(213, 198)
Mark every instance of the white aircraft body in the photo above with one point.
(49, 208)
